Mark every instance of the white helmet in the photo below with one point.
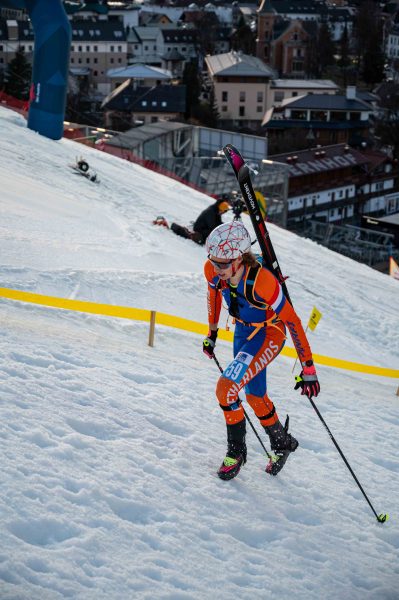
(228, 240)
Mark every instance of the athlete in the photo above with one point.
(261, 313)
(206, 221)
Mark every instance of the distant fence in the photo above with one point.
(364, 245)
(20, 106)
(155, 317)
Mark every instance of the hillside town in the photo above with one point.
(309, 89)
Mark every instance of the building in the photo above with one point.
(97, 47)
(283, 43)
(328, 118)
(286, 29)
(241, 86)
(140, 74)
(283, 89)
(338, 184)
(130, 105)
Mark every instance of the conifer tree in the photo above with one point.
(19, 74)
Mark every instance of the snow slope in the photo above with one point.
(109, 447)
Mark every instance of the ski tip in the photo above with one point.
(382, 518)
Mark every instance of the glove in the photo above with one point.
(209, 342)
(307, 380)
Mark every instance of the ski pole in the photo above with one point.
(245, 413)
(241, 172)
(381, 518)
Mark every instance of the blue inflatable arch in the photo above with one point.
(52, 32)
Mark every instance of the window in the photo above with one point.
(242, 96)
(79, 48)
(95, 48)
(297, 65)
(259, 108)
(224, 96)
(278, 96)
(224, 108)
(298, 114)
(259, 96)
(241, 111)
(95, 60)
(87, 48)
(119, 48)
(112, 48)
(87, 61)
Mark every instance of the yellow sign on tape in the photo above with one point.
(314, 318)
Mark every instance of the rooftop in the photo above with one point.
(237, 64)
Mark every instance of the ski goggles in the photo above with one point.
(221, 266)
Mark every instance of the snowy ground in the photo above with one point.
(109, 447)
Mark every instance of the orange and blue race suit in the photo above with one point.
(259, 336)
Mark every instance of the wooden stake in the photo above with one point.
(152, 329)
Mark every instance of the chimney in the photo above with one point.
(351, 92)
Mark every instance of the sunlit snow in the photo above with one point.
(109, 448)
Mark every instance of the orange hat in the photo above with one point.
(223, 206)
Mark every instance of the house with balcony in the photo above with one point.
(331, 119)
(283, 89)
(338, 184)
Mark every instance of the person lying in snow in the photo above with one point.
(209, 218)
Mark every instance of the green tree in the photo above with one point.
(19, 75)
(243, 38)
(193, 87)
(207, 26)
(387, 126)
(368, 39)
(374, 58)
(325, 48)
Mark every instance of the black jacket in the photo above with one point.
(207, 221)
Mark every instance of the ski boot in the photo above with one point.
(282, 443)
(236, 452)
(160, 221)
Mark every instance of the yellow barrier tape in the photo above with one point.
(139, 314)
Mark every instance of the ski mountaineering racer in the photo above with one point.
(261, 313)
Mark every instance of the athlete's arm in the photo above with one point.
(269, 289)
(214, 297)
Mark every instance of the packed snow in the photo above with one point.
(109, 447)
